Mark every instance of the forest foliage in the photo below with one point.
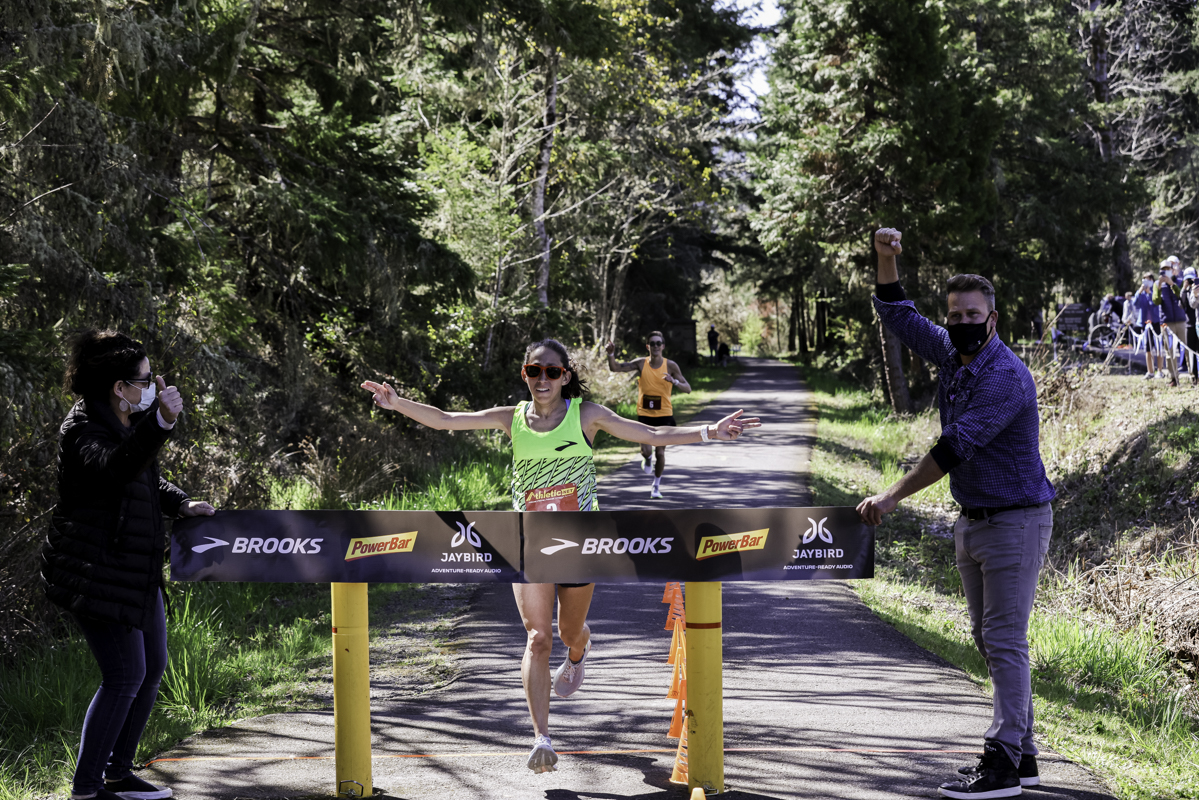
(283, 197)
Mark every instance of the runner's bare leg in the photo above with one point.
(536, 604)
(659, 461)
(573, 604)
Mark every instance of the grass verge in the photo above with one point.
(1111, 693)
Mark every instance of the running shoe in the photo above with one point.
(542, 758)
(569, 677)
(1150, 376)
(995, 776)
(1028, 772)
(132, 787)
(646, 466)
(655, 493)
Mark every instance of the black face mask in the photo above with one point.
(968, 337)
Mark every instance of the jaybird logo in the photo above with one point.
(817, 530)
(200, 548)
(467, 534)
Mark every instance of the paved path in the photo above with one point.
(820, 696)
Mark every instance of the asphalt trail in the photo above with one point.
(822, 699)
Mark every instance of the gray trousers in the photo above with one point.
(1000, 561)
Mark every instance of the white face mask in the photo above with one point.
(148, 396)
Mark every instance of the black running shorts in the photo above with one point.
(658, 422)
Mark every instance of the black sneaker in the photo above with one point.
(132, 787)
(1029, 776)
(995, 776)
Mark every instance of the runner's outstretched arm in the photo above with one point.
(598, 418)
(621, 366)
(495, 418)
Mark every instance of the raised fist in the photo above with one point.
(886, 242)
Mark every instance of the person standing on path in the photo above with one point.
(989, 447)
(103, 557)
(1174, 317)
(657, 376)
(713, 343)
(553, 470)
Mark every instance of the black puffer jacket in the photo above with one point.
(103, 557)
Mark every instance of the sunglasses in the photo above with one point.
(553, 373)
(139, 381)
(656, 343)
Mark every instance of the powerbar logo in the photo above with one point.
(380, 545)
(731, 543)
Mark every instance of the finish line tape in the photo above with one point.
(499, 754)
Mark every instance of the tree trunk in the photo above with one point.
(793, 321)
(543, 171)
(821, 323)
(1121, 257)
(897, 382)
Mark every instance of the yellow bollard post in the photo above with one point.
(705, 689)
(351, 690)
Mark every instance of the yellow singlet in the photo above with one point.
(653, 391)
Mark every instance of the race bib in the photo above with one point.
(651, 402)
(564, 497)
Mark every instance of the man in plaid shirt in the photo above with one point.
(989, 447)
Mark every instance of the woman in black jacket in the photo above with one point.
(103, 559)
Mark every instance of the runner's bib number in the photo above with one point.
(564, 497)
(651, 402)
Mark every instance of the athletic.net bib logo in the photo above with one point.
(725, 543)
(380, 545)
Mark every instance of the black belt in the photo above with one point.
(983, 513)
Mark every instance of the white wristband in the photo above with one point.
(703, 433)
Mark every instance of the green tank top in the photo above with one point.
(552, 471)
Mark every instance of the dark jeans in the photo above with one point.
(131, 666)
(1000, 560)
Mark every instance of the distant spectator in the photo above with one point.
(1174, 317)
(1129, 315)
(722, 354)
(713, 340)
(1190, 300)
(1038, 324)
(1117, 308)
(1148, 317)
(1104, 315)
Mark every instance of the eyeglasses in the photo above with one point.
(534, 371)
(139, 381)
(656, 343)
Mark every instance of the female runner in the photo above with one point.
(552, 450)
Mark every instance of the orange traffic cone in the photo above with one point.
(673, 588)
(676, 612)
(677, 640)
(673, 692)
(676, 722)
(679, 774)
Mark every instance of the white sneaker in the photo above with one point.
(542, 758)
(569, 677)
(655, 493)
(1150, 376)
(647, 466)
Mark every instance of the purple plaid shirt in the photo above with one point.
(990, 428)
